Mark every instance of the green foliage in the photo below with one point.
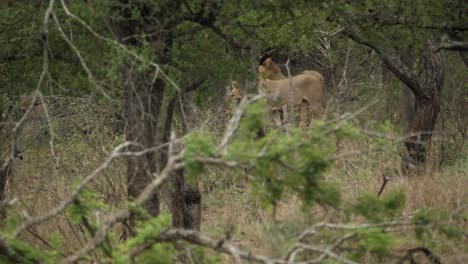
(147, 232)
(86, 202)
(202, 255)
(55, 240)
(252, 121)
(26, 252)
(346, 130)
(379, 209)
(282, 162)
(11, 222)
(197, 145)
(375, 241)
(202, 56)
(438, 219)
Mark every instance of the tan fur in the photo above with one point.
(307, 91)
(270, 71)
(236, 91)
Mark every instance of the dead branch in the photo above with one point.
(221, 162)
(347, 117)
(51, 131)
(335, 245)
(291, 93)
(77, 52)
(233, 123)
(453, 45)
(124, 214)
(385, 179)
(64, 204)
(158, 69)
(220, 245)
(300, 245)
(410, 255)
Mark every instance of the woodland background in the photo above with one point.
(119, 143)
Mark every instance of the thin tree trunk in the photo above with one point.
(425, 85)
(142, 106)
(143, 98)
(185, 201)
(424, 109)
(6, 162)
(5, 172)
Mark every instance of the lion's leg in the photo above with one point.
(276, 116)
(305, 120)
(316, 110)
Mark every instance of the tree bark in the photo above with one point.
(426, 88)
(6, 161)
(426, 85)
(142, 106)
(5, 172)
(143, 98)
(185, 200)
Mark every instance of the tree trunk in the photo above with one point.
(5, 172)
(142, 105)
(421, 126)
(6, 161)
(143, 98)
(184, 200)
(425, 84)
(425, 87)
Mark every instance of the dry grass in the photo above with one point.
(228, 208)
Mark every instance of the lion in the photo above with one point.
(236, 91)
(307, 91)
(269, 70)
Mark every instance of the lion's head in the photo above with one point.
(268, 70)
(236, 91)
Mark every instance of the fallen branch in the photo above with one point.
(410, 255)
(124, 214)
(384, 183)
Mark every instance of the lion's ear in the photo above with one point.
(234, 85)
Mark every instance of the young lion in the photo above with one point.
(305, 90)
(236, 91)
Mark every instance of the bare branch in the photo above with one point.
(291, 93)
(453, 45)
(64, 204)
(326, 252)
(394, 64)
(233, 123)
(220, 162)
(348, 116)
(91, 77)
(51, 131)
(219, 245)
(100, 235)
(384, 183)
(124, 214)
(409, 255)
(120, 45)
(335, 245)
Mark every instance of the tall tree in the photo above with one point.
(143, 98)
